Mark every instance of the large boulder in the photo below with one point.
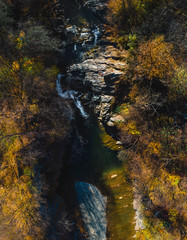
(93, 209)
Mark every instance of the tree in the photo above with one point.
(155, 59)
(20, 197)
(5, 15)
(157, 63)
(37, 40)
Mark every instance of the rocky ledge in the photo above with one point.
(96, 76)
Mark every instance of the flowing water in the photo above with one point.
(75, 47)
(70, 94)
(96, 33)
(97, 192)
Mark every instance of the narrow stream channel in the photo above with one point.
(94, 174)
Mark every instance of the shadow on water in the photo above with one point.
(94, 163)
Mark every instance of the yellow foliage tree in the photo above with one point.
(165, 191)
(155, 60)
(20, 200)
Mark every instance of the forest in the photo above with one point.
(138, 50)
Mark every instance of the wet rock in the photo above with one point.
(85, 36)
(93, 209)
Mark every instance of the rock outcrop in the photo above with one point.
(96, 77)
(97, 63)
(114, 120)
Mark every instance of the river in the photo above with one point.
(94, 184)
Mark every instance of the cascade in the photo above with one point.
(70, 94)
(96, 33)
(83, 44)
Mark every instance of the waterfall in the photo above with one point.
(58, 85)
(93, 209)
(70, 94)
(75, 47)
(84, 43)
(80, 107)
(96, 32)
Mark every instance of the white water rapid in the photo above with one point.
(96, 33)
(70, 94)
(75, 47)
(84, 43)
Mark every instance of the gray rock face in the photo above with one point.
(97, 66)
(98, 7)
(97, 75)
(93, 209)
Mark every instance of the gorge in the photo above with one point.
(99, 167)
(93, 120)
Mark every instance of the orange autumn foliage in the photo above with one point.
(155, 59)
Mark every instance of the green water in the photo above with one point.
(100, 166)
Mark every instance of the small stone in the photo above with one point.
(85, 30)
(114, 175)
(119, 143)
(117, 118)
(110, 124)
(72, 29)
(120, 197)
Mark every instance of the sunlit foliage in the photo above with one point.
(30, 110)
(150, 97)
